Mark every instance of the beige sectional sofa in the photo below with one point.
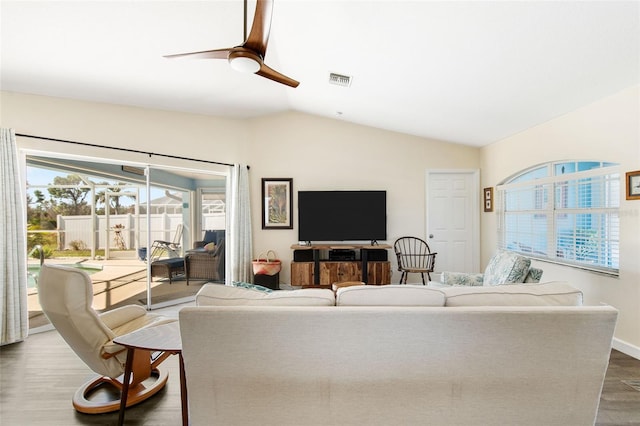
(546, 294)
(526, 354)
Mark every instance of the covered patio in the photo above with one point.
(118, 282)
(174, 208)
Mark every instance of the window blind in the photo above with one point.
(567, 214)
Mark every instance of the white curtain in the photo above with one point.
(14, 316)
(240, 227)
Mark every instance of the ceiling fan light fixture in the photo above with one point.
(244, 64)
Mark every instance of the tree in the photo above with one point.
(40, 216)
(114, 197)
(69, 200)
(40, 212)
(39, 196)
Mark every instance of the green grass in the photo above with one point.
(76, 253)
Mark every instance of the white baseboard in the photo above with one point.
(626, 348)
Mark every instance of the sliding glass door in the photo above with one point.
(130, 226)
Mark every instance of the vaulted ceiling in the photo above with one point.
(465, 72)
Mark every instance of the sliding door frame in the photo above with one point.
(98, 154)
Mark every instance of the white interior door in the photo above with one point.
(452, 221)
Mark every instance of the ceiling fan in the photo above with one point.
(249, 56)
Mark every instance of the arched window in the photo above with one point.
(566, 212)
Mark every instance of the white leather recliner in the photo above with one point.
(66, 296)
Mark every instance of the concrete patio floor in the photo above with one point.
(120, 281)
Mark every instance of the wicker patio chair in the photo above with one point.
(204, 264)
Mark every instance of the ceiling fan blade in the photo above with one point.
(250, 54)
(205, 54)
(274, 75)
(259, 34)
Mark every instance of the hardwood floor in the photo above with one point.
(38, 377)
(620, 402)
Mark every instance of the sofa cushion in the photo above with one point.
(389, 295)
(506, 267)
(224, 295)
(554, 293)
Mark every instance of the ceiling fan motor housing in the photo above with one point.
(244, 60)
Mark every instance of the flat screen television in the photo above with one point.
(342, 215)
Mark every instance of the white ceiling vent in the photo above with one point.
(339, 79)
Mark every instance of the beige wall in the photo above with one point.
(607, 130)
(320, 153)
(171, 133)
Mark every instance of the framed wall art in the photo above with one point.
(277, 203)
(633, 185)
(488, 199)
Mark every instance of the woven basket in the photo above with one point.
(265, 265)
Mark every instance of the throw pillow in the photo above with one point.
(534, 275)
(252, 286)
(506, 268)
(210, 246)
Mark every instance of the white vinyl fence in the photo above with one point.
(75, 231)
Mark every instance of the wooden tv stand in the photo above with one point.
(313, 266)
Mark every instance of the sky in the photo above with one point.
(40, 176)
